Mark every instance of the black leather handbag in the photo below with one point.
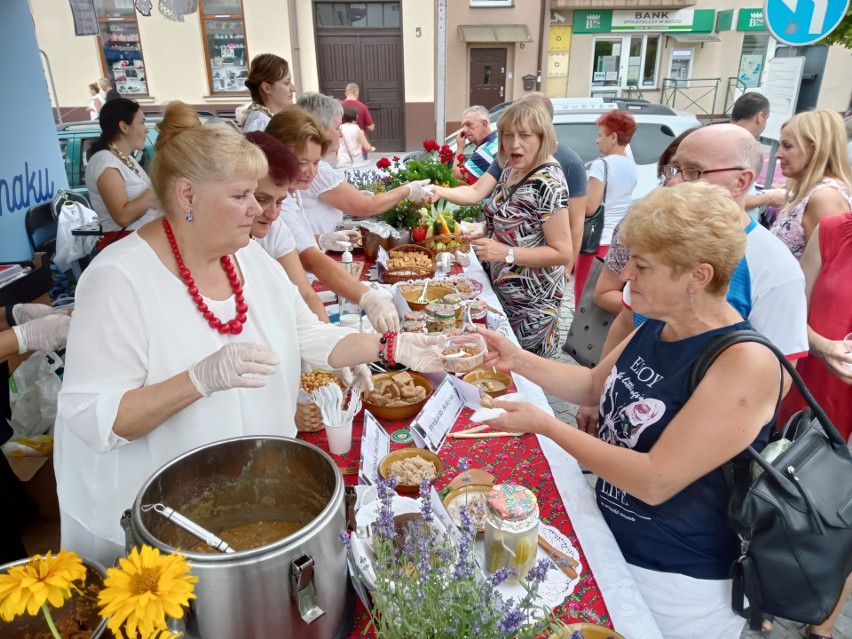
(590, 325)
(594, 224)
(794, 520)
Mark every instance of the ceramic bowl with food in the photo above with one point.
(396, 395)
(462, 353)
(409, 465)
(433, 292)
(587, 631)
(495, 383)
(471, 496)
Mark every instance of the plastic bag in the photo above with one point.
(70, 248)
(33, 392)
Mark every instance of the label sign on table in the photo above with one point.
(441, 514)
(437, 417)
(382, 257)
(400, 303)
(470, 394)
(375, 444)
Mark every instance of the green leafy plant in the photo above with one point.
(434, 168)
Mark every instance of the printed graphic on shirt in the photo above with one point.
(626, 413)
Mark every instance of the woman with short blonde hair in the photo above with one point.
(661, 446)
(813, 157)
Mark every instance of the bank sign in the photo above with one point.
(676, 21)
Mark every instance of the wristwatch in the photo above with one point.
(510, 257)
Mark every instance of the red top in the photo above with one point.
(364, 120)
(830, 315)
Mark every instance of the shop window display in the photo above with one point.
(225, 44)
(122, 53)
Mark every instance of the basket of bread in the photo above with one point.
(409, 262)
(308, 417)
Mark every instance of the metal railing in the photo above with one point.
(710, 99)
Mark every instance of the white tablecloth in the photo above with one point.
(629, 613)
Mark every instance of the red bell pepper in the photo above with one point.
(418, 233)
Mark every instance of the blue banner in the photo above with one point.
(31, 166)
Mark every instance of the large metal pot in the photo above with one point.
(296, 587)
(33, 626)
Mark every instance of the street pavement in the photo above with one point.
(782, 629)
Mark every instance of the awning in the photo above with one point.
(693, 37)
(494, 33)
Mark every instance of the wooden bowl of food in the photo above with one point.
(397, 395)
(495, 383)
(433, 292)
(408, 465)
(586, 631)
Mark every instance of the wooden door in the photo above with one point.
(373, 60)
(487, 77)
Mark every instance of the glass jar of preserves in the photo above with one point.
(511, 529)
(445, 317)
(478, 311)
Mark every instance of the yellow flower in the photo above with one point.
(43, 579)
(144, 590)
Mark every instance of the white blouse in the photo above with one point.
(134, 325)
(135, 183)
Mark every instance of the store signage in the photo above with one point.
(801, 22)
(681, 20)
(751, 20)
(724, 20)
(31, 166)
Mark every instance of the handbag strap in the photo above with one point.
(718, 344)
(514, 187)
(606, 179)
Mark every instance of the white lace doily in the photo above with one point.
(557, 587)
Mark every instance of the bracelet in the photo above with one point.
(385, 354)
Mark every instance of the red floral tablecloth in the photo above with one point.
(515, 460)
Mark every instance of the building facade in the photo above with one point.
(697, 56)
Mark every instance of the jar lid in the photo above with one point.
(452, 298)
(511, 502)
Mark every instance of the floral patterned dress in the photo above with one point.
(531, 296)
(788, 225)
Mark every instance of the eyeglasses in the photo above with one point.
(691, 175)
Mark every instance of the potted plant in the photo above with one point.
(135, 599)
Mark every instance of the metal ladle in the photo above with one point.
(170, 514)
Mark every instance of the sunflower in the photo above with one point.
(46, 579)
(144, 590)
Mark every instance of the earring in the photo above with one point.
(690, 300)
(189, 214)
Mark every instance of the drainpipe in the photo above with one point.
(545, 20)
(296, 62)
(441, 80)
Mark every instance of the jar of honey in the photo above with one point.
(511, 529)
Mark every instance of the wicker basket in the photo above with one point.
(308, 418)
(430, 243)
(417, 273)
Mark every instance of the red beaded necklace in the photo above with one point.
(234, 326)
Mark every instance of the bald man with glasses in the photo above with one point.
(768, 286)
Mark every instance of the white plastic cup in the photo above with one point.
(339, 438)
(847, 341)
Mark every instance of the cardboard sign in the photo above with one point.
(375, 444)
(436, 419)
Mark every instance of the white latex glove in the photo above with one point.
(358, 378)
(420, 190)
(419, 352)
(306, 367)
(23, 313)
(378, 305)
(331, 241)
(48, 333)
(225, 368)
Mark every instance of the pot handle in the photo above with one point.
(304, 588)
(127, 527)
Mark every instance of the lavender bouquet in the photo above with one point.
(429, 585)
